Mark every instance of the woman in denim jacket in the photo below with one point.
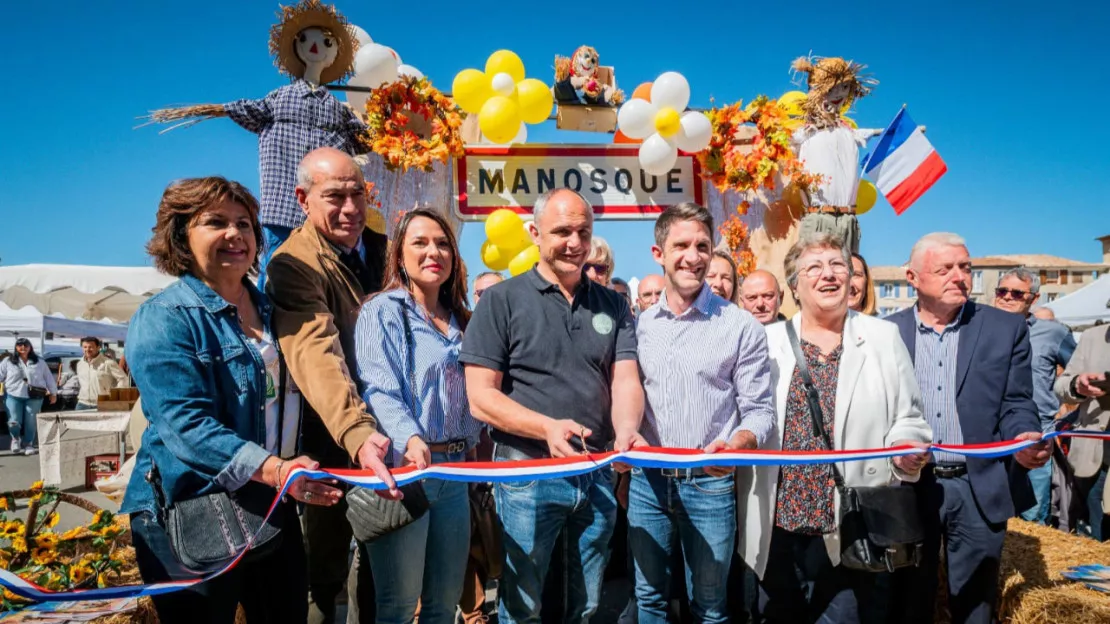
(203, 356)
(407, 341)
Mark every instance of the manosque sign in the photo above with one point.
(609, 176)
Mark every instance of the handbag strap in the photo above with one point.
(813, 400)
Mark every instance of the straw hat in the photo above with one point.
(312, 14)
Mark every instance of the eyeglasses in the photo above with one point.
(813, 271)
(600, 269)
(1011, 293)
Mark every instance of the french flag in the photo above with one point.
(904, 164)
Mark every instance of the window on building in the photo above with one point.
(1094, 275)
(886, 290)
(1051, 277)
(910, 292)
(976, 281)
(1077, 277)
(1050, 297)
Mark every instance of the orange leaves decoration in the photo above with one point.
(730, 165)
(395, 112)
(736, 236)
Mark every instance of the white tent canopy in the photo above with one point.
(80, 292)
(46, 332)
(1084, 306)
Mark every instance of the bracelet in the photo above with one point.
(281, 462)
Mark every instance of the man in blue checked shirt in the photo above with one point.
(707, 381)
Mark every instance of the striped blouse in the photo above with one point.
(386, 363)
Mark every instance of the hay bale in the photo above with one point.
(1032, 589)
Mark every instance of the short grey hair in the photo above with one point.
(1026, 276)
(541, 202)
(933, 241)
(807, 242)
(304, 177)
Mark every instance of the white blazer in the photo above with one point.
(878, 403)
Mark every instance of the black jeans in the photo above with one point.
(802, 586)
(272, 589)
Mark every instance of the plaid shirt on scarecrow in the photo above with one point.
(291, 122)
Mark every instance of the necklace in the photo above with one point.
(239, 305)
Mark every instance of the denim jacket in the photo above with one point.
(203, 391)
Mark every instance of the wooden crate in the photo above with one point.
(100, 466)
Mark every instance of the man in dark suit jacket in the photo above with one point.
(973, 365)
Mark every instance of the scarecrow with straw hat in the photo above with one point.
(313, 45)
(829, 145)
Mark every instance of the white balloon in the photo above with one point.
(503, 84)
(410, 71)
(695, 133)
(670, 89)
(657, 155)
(636, 118)
(361, 36)
(375, 65)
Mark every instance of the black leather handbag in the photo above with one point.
(372, 516)
(880, 528)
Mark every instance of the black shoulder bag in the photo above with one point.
(33, 391)
(880, 529)
(207, 532)
(372, 516)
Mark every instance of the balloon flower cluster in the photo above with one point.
(508, 244)
(663, 123)
(375, 65)
(503, 98)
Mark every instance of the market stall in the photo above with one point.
(80, 292)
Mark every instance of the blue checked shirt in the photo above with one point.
(386, 364)
(291, 122)
(934, 365)
(706, 372)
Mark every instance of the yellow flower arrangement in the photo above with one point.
(11, 529)
(80, 573)
(19, 544)
(51, 521)
(389, 110)
(45, 540)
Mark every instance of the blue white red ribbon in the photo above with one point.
(534, 469)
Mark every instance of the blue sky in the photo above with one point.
(1011, 95)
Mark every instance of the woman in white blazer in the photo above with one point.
(869, 399)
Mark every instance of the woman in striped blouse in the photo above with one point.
(407, 341)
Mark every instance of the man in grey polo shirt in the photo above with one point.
(551, 366)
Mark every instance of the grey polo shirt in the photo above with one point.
(556, 356)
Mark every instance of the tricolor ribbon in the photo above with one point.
(533, 469)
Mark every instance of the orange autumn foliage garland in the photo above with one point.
(388, 113)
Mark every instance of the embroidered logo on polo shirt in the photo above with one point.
(603, 323)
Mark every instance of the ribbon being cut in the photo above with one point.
(529, 470)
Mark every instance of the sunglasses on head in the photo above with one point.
(1012, 293)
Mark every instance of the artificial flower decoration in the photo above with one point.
(662, 124)
(502, 97)
(411, 125)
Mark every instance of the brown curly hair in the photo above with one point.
(182, 202)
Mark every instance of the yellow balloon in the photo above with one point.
(791, 102)
(505, 61)
(470, 89)
(505, 229)
(866, 197)
(494, 258)
(667, 122)
(851, 122)
(499, 119)
(534, 99)
(524, 261)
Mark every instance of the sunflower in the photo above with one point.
(3, 503)
(46, 540)
(110, 531)
(42, 555)
(36, 486)
(80, 573)
(72, 534)
(11, 529)
(51, 520)
(102, 580)
(19, 544)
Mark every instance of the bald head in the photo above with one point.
(761, 295)
(1045, 314)
(649, 290)
(331, 191)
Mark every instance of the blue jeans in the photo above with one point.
(21, 418)
(272, 238)
(702, 511)
(533, 513)
(1041, 480)
(426, 560)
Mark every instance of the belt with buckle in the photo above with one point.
(833, 210)
(949, 471)
(454, 446)
(682, 473)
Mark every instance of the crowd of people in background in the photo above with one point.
(365, 353)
